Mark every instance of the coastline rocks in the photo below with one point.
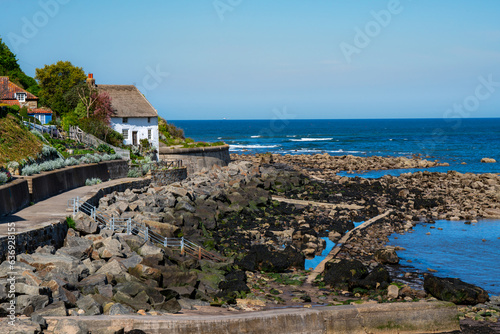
(378, 278)
(392, 292)
(260, 257)
(488, 160)
(234, 282)
(338, 273)
(455, 290)
(85, 224)
(387, 256)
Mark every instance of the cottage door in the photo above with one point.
(134, 138)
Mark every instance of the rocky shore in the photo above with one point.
(231, 211)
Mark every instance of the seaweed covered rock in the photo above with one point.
(260, 257)
(454, 290)
(378, 278)
(338, 273)
(387, 256)
(235, 282)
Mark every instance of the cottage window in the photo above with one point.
(149, 119)
(149, 134)
(125, 134)
(21, 97)
(125, 120)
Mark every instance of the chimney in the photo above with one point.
(91, 80)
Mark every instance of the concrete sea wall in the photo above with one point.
(47, 184)
(13, 196)
(161, 178)
(197, 158)
(420, 317)
(27, 242)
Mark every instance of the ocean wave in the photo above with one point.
(255, 136)
(251, 146)
(311, 139)
(303, 150)
(342, 151)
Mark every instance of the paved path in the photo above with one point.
(51, 210)
(319, 204)
(321, 267)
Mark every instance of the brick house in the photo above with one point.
(13, 95)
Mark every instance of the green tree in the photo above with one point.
(56, 81)
(9, 67)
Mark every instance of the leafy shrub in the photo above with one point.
(115, 138)
(3, 178)
(169, 131)
(106, 157)
(38, 134)
(92, 181)
(105, 148)
(95, 158)
(49, 152)
(13, 165)
(31, 169)
(134, 172)
(71, 161)
(70, 222)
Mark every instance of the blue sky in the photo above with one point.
(242, 59)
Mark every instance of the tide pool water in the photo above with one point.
(312, 263)
(468, 252)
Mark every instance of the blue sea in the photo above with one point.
(454, 141)
(458, 249)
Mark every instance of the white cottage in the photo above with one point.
(134, 116)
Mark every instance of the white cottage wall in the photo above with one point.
(139, 125)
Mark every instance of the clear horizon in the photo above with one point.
(242, 60)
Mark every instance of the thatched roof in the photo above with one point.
(128, 101)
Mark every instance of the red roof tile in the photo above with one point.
(8, 90)
(40, 111)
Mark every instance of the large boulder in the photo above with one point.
(89, 305)
(85, 225)
(454, 290)
(118, 308)
(76, 247)
(234, 282)
(386, 256)
(378, 278)
(137, 302)
(338, 273)
(488, 160)
(49, 262)
(260, 257)
(170, 306)
(57, 309)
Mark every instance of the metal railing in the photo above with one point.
(50, 129)
(81, 136)
(130, 226)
